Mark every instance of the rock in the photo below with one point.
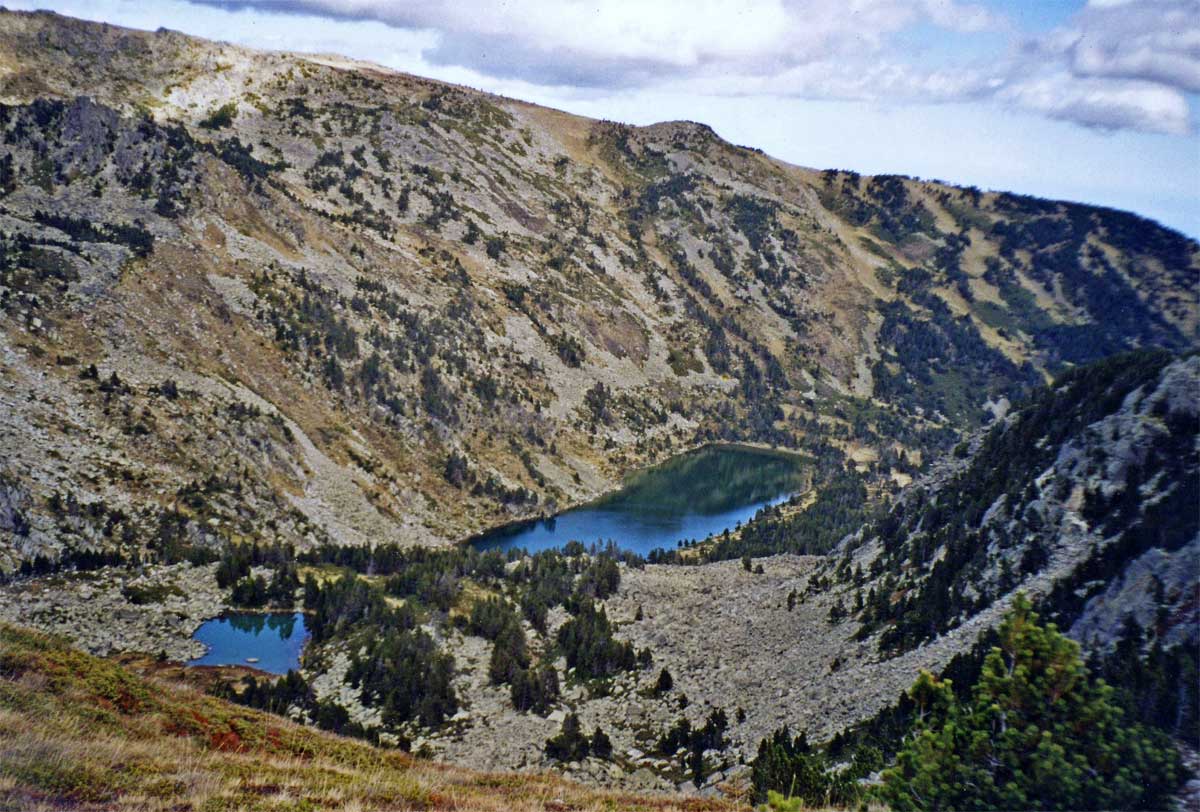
(642, 778)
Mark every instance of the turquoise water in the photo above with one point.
(274, 639)
(687, 498)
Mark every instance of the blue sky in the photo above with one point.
(1090, 100)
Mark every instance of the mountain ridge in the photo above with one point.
(693, 287)
(276, 332)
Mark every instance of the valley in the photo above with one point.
(572, 446)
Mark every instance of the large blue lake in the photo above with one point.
(689, 497)
(273, 641)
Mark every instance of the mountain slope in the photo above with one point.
(1084, 498)
(1040, 503)
(83, 733)
(276, 297)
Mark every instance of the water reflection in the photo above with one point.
(687, 498)
(270, 642)
(282, 625)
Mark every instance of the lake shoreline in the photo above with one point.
(224, 639)
(517, 526)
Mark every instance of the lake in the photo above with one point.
(691, 496)
(275, 640)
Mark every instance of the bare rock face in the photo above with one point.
(1153, 585)
(97, 613)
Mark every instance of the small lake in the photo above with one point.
(273, 640)
(691, 496)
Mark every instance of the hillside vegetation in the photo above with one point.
(269, 297)
(83, 733)
(279, 332)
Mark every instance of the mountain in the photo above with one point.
(265, 295)
(281, 331)
(1084, 500)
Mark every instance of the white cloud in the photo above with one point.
(961, 17)
(1118, 64)
(1105, 104)
(623, 43)
(1150, 40)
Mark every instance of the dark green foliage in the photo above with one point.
(278, 695)
(570, 744)
(405, 674)
(489, 617)
(282, 589)
(241, 157)
(1010, 457)
(945, 365)
(290, 691)
(548, 581)
(233, 572)
(341, 605)
(535, 689)
(682, 736)
(570, 349)
(134, 236)
(1057, 237)
(1038, 733)
(841, 507)
(234, 565)
(509, 654)
(1154, 684)
(250, 591)
(436, 396)
(221, 117)
(791, 767)
(598, 401)
(665, 683)
(142, 594)
(600, 579)
(601, 745)
(754, 218)
(458, 471)
(8, 176)
(587, 642)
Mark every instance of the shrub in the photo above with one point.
(1038, 733)
(221, 117)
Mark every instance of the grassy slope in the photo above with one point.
(81, 732)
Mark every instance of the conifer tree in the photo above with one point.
(1038, 733)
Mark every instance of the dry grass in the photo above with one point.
(78, 732)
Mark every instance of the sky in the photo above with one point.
(1090, 100)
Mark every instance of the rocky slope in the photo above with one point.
(268, 296)
(271, 298)
(95, 736)
(1082, 498)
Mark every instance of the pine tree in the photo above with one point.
(1038, 733)
(665, 682)
(601, 745)
(570, 744)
